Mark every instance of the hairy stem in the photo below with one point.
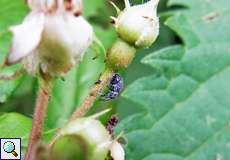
(94, 92)
(38, 118)
(88, 101)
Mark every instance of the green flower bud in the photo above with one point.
(120, 55)
(91, 134)
(86, 139)
(139, 24)
(70, 147)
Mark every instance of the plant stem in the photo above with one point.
(88, 101)
(94, 92)
(14, 75)
(38, 118)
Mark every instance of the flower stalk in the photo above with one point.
(39, 116)
(137, 27)
(94, 92)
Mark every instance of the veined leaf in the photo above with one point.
(14, 125)
(185, 104)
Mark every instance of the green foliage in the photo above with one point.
(184, 105)
(11, 13)
(14, 125)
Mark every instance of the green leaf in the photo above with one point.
(98, 12)
(14, 125)
(91, 8)
(11, 13)
(107, 36)
(184, 105)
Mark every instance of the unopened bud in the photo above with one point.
(120, 55)
(138, 24)
(94, 135)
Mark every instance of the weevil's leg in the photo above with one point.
(97, 47)
(104, 96)
(12, 76)
(101, 94)
(109, 96)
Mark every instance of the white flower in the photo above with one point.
(138, 24)
(117, 152)
(52, 38)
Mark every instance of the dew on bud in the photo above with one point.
(138, 24)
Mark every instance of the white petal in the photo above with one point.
(36, 4)
(51, 4)
(77, 6)
(148, 9)
(42, 5)
(61, 6)
(117, 151)
(26, 37)
(73, 33)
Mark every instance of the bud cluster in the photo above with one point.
(137, 27)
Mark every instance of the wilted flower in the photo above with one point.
(138, 24)
(52, 38)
